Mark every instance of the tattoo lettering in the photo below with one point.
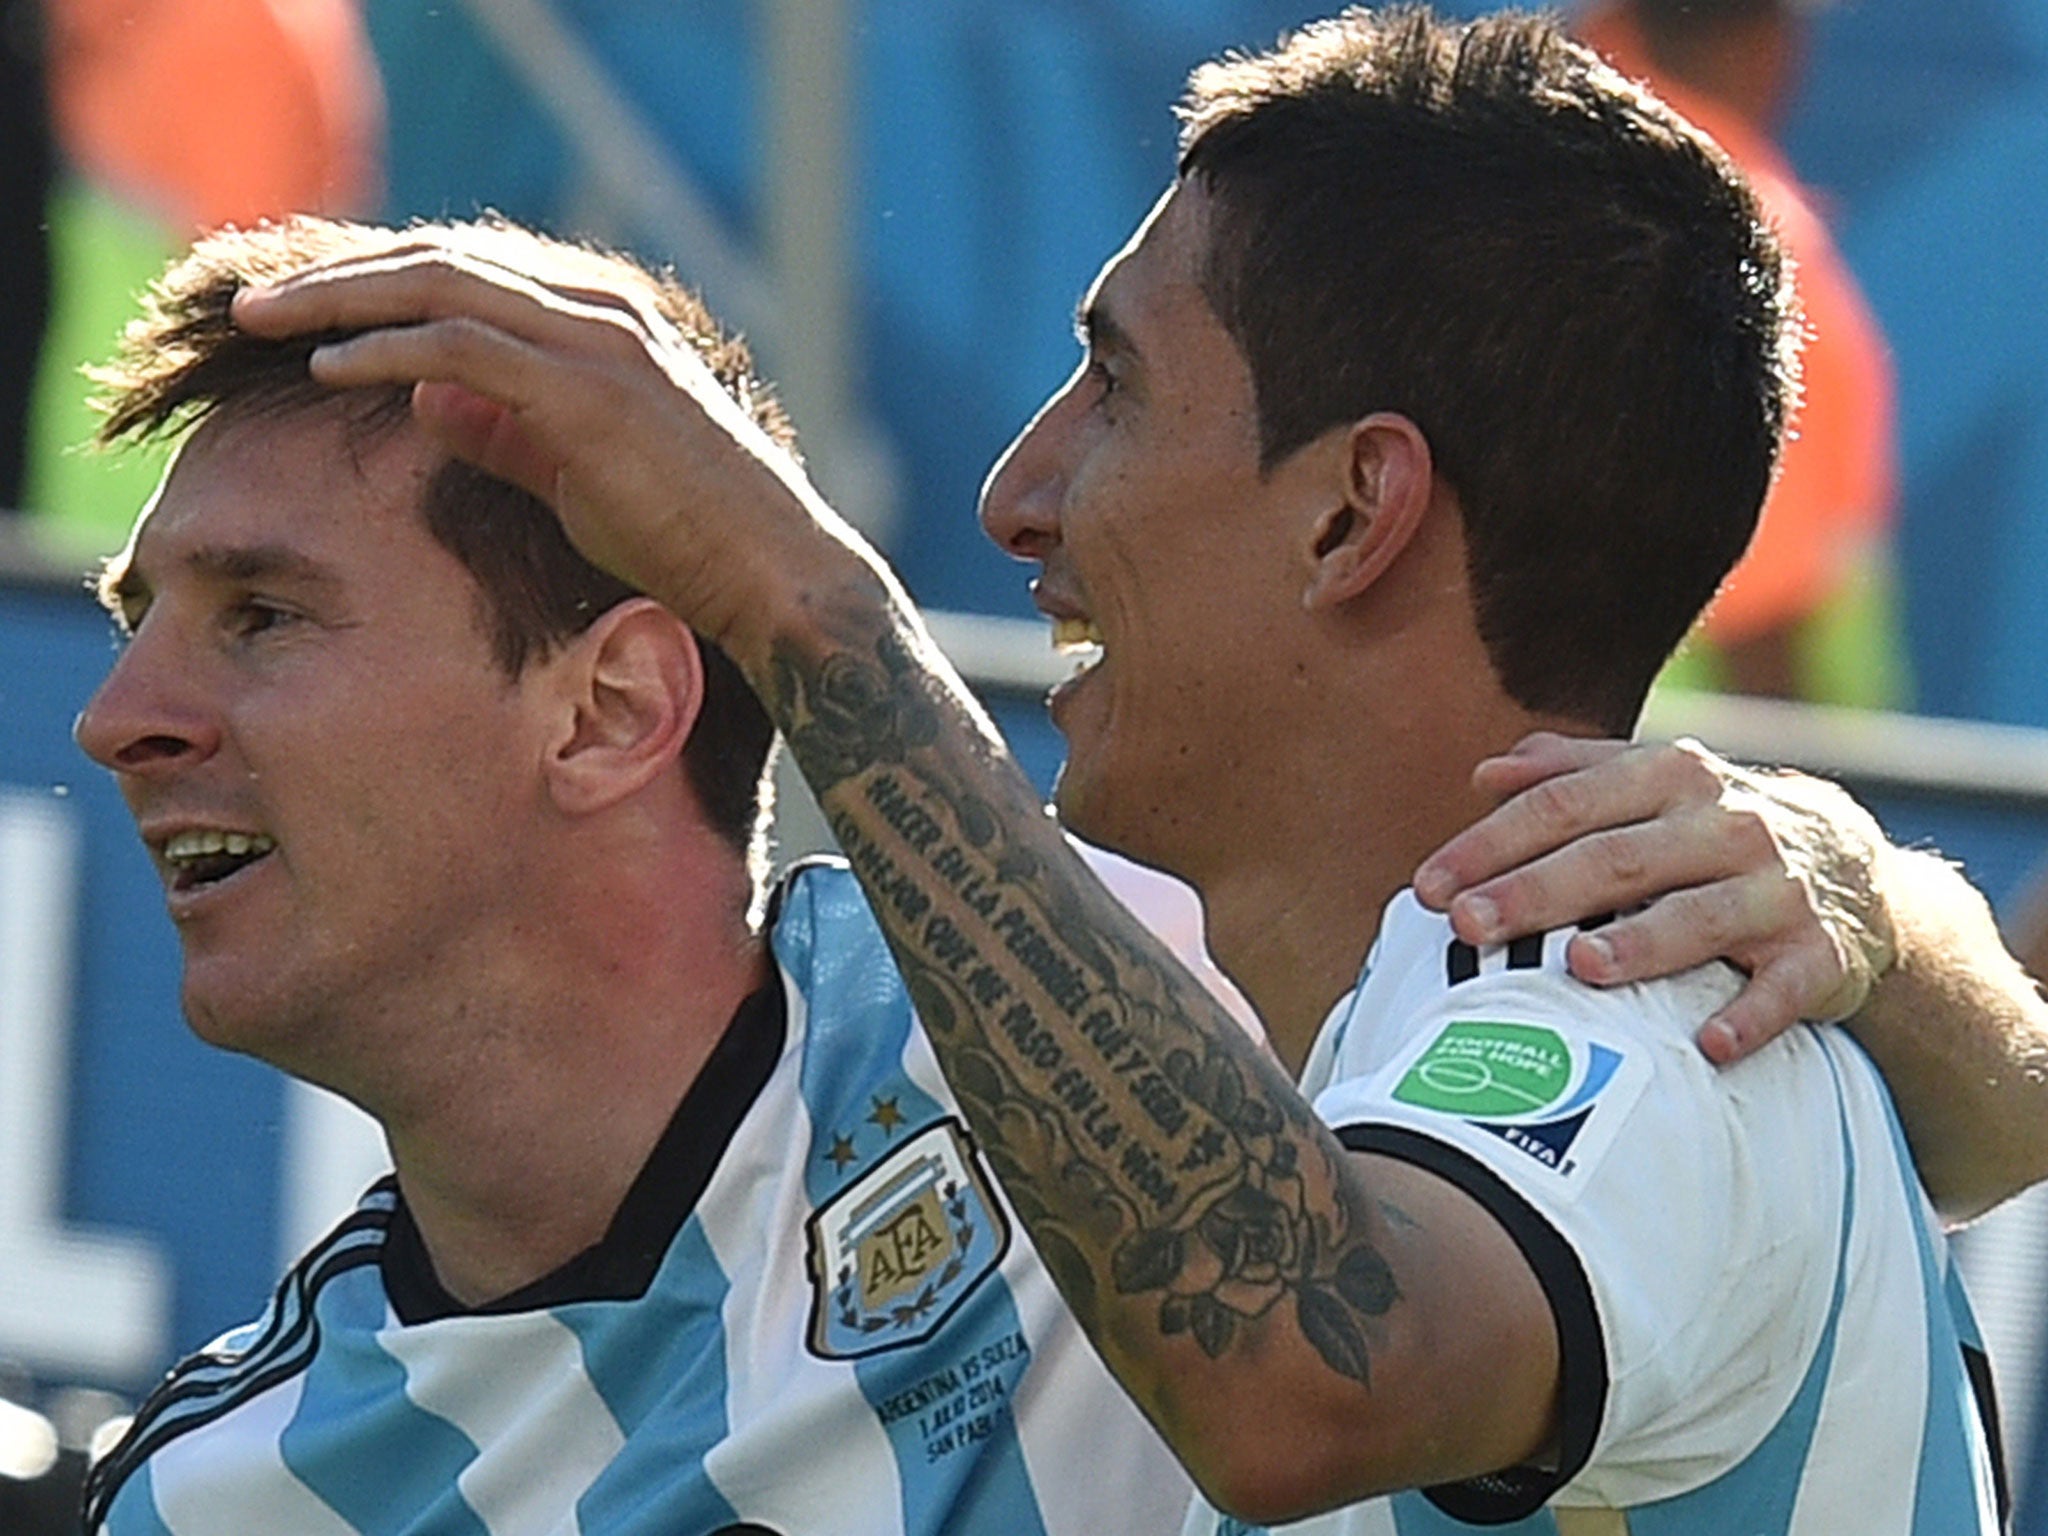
(1149, 1145)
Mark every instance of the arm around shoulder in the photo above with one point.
(1960, 1031)
(1791, 879)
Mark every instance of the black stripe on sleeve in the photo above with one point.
(1977, 1366)
(1517, 1492)
(1461, 962)
(151, 1431)
(1526, 953)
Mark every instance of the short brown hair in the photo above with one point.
(1567, 287)
(184, 360)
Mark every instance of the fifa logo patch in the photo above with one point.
(894, 1254)
(1558, 1101)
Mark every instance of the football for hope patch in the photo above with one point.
(1558, 1101)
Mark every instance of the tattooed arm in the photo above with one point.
(1265, 1294)
(1306, 1325)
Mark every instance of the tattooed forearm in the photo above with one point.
(1163, 1162)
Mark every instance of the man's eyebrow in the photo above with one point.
(121, 585)
(259, 562)
(1097, 330)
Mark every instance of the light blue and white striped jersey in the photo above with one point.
(1761, 1332)
(813, 1314)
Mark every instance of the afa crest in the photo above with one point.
(894, 1254)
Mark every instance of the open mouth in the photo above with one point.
(201, 859)
(1079, 638)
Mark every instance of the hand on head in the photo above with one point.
(585, 396)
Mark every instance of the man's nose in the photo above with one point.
(1020, 500)
(147, 716)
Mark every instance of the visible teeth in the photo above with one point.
(186, 846)
(1072, 634)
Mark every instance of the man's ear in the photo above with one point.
(629, 688)
(1386, 479)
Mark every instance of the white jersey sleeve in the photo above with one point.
(1687, 1223)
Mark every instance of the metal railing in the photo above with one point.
(1967, 761)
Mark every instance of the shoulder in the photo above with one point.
(1683, 1221)
(1502, 1051)
(277, 1345)
(1421, 978)
(819, 920)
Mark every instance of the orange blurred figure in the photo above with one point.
(1731, 66)
(207, 112)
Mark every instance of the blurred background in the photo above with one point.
(899, 201)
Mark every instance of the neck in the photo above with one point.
(1293, 932)
(1294, 898)
(518, 1135)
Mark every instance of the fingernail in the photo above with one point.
(1482, 916)
(1598, 955)
(1718, 1042)
(1433, 885)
